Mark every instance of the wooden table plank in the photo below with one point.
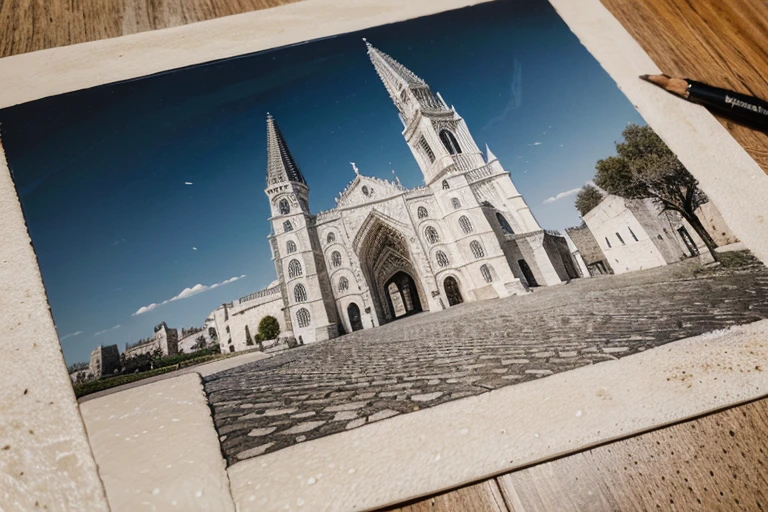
(482, 497)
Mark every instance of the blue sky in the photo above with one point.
(137, 191)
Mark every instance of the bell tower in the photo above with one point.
(310, 314)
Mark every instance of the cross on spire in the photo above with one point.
(281, 167)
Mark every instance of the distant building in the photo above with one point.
(104, 361)
(198, 338)
(635, 234)
(581, 265)
(589, 250)
(165, 339)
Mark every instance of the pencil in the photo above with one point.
(747, 109)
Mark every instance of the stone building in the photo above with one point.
(589, 250)
(165, 339)
(386, 251)
(635, 234)
(104, 361)
(194, 339)
(237, 322)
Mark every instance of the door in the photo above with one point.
(353, 312)
(527, 273)
(452, 291)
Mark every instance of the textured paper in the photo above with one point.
(730, 177)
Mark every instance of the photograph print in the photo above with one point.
(373, 224)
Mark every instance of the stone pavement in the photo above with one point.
(432, 358)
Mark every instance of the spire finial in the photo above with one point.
(397, 180)
(354, 168)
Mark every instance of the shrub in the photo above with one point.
(86, 388)
(269, 328)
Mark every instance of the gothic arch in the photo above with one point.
(449, 141)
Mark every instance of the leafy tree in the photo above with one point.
(269, 328)
(644, 167)
(260, 341)
(78, 367)
(587, 198)
(248, 340)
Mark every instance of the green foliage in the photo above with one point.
(587, 198)
(269, 328)
(178, 358)
(78, 367)
(248, 339)
(86, 388)
(644, 167)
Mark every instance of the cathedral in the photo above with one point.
(385, 251)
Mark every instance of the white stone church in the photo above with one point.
(386, 251)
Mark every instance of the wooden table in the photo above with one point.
(716, 462)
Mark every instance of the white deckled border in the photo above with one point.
(435, 449)
(733, 181)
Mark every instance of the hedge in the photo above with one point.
(86, 388)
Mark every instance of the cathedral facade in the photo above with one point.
(385, 251)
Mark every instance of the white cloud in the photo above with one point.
(561, 195)
(187, 182)
(107, 330)
(194, 248)
(186, 293)
(536, 144)
(71, 335)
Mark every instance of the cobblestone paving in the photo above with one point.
(432, 358)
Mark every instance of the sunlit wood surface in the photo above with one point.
(717, 462)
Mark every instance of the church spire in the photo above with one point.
(402, 84)
(281, 166)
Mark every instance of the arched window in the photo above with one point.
(302, 317)
(442, 259)
(620, 239)
(633, 234)
(284, 207)
(609, 242)
(336, 259)
(485, 270)
(343, 284)
(466, 224)
(290, 247)
(477, 249)
(505, 227)
(449, 141)
(287, 226)
(299, 293)
(427, 150)
(455, 203)
(446, 186)
(422, 212)
(294, 269)
(331, 237)
(431, 234)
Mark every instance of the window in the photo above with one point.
(284, 208)
(431, 235)
(466, 224)
(343, 284)
(422, 212)
(331, 237)
(336, 259)
(449, 141)
(428, 150)
(620, 239)
(442, 259)
(455, 203)
(477, 249)
(446, 186)
(299, 293)
(485, 270)
(505, 227)
(365, 191)
(608, 242)
(287, 226)
(294, 269)
(302, 317)
(633, 234)
(290, 247)
(227, 329)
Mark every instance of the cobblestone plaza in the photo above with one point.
(432, 358)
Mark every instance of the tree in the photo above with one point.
(248, 340)
(260, 341)
(77, 367)
(269, 328)
(587, 198)
(644, 167)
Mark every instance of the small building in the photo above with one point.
(165, 339)
(636, 234)
(104, 361)
(589, 250)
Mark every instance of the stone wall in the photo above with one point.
(104, 361)
(588, 247)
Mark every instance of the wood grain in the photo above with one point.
(718, 462)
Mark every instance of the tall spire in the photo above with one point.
(281, 166)
(397, 79)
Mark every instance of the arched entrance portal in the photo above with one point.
(353, 313)
(452, 291)
(403, 295)
(389, 269)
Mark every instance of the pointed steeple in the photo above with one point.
(489, 157)
(400, 81)
(281, 166)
